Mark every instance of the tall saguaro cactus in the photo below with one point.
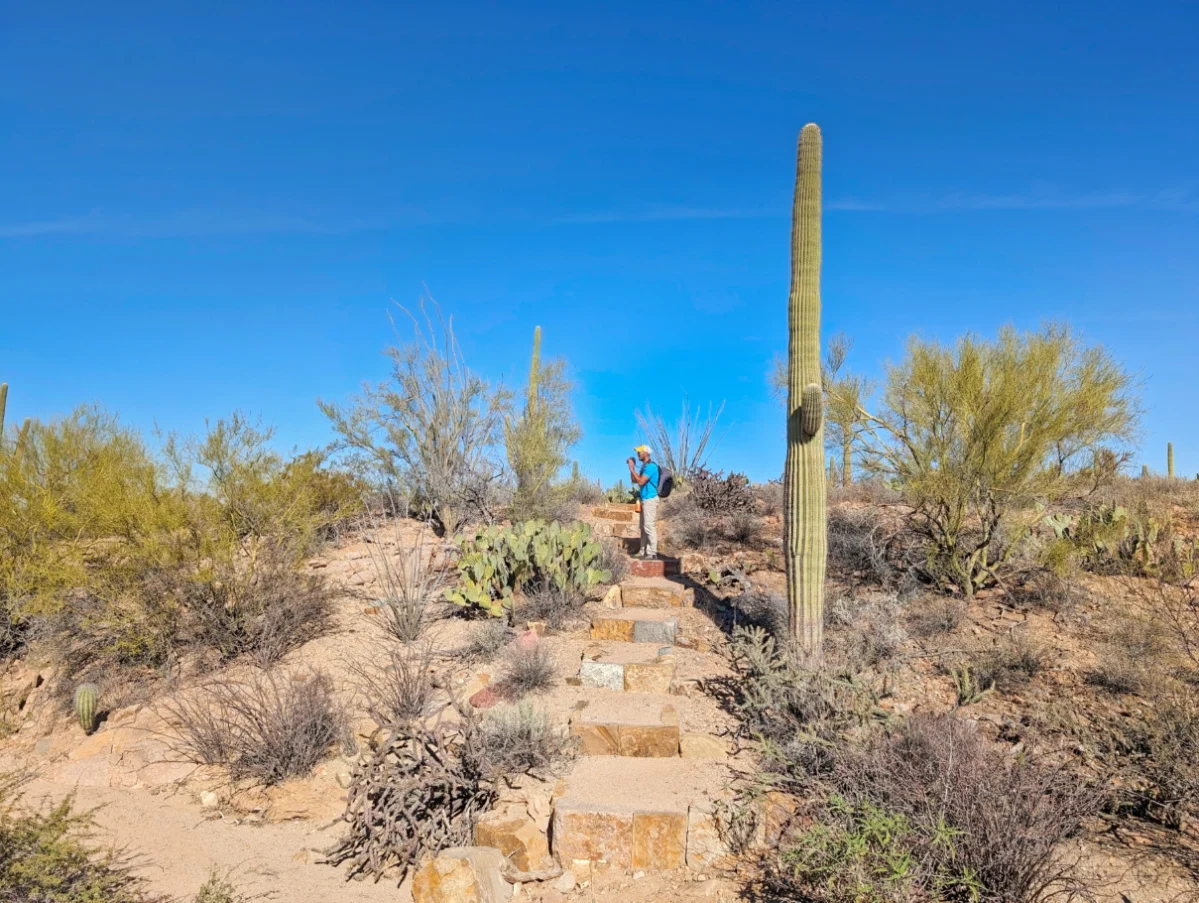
(1169, 458)
(3, 405)
(805, 522)
(535, 369)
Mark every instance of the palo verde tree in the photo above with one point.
(805, 520)
(845, 397)
(539, 439)
(432, 431)
(977, 433)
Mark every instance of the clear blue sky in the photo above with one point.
(209, 207)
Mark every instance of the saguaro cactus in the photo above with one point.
(3, 404)
(1170, 459)
(535, 369)
(86, 706)
(805, 522)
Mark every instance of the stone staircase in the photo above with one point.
(640, 794)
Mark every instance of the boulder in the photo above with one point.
(462, 875)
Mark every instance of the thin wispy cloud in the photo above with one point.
(663, 214)
(194, 223)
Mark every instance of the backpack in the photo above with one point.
(665, 482)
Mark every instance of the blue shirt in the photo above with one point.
(650, 489)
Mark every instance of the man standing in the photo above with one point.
(646, 476)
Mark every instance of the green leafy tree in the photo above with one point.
(975, 434)
(539, 438)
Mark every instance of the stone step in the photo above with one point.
(624, 513)
(628, 535)
(659, 567)
(628, 668)
(652, 592)
(621, 724)
(636, 625)
(650, 814)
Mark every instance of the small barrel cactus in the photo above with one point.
(87, 706)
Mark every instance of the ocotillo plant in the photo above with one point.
(805, 521)
(1170, 460)
(86, 700)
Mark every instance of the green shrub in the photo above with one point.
(46, 857)
(496, 562)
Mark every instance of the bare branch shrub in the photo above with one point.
(262, 610)
(1008, 664)
(693, 528)
(1007, 817)
(434, 429)
(411, 574)
(744, 529)
(267, 727)
(858, 542)
(401, 688)
(934, 615)
(614, 560)
(683, 450)
(715, 493)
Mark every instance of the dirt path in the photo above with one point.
(176, 846)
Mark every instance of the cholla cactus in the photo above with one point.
(86, 706)
(805, 520)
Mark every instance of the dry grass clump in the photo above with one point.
(527, 669)
(743, 529)
(932, 616)
(266, 727)
(520, 739)
(1005, 666)
(486, 640)
(412, 577)
(613, 560)
(558, 606)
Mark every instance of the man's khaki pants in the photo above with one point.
(649, 526)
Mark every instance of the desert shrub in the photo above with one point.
(1007, 665)
(858, 546)
(976, 433)
(538, 439)
(770, 498)
(424, 786)
(684, 450)
(582, 491)
(519, 739)
(528, 668)
(433, 430)
(613, 560)
(486, 640)
(412, 577)
(619, 494)
(692, 527)
(266, 727)
(1126, 652)
(46, 855)
(744, 529)
(557, 606)
(219, 889)
(988, 823)
(1045, 588)
(715, 493)
(796, 716)
(763, 610)
(261, 609)
(874, 633)
(934, 615)
(496, 562)
(400, 689)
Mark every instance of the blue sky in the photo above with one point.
(210, 208)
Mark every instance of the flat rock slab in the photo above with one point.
(462, 875)
(629, 667)
(652, 592)
(630, 625)
(658, 567)
(639, 728)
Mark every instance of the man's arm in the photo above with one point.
(637, 478)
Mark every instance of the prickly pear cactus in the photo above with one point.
(87, 698)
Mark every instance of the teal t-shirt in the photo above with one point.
(650, 489)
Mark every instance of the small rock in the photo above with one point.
(638, 875)
(566, 883)
(702, 746)
(209, 800)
